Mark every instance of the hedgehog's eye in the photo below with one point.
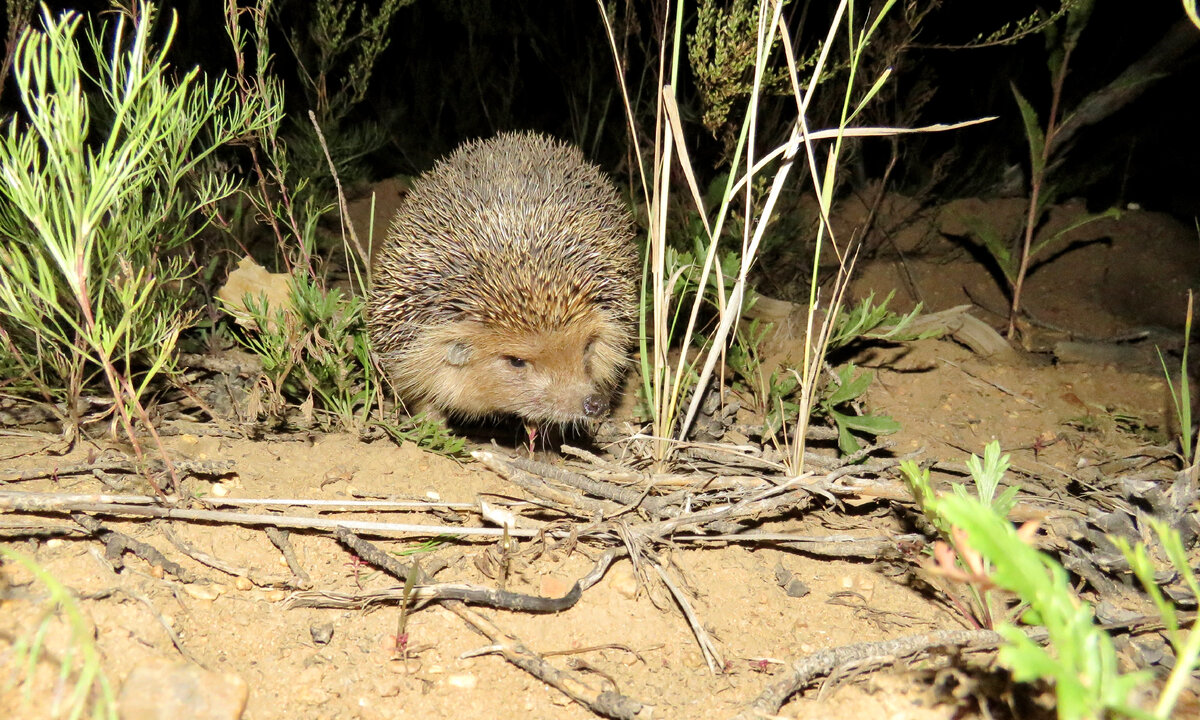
(515, 361)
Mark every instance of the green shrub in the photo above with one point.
(106, 176)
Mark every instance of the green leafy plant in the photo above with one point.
(722, 52)
(106, 173)
(851, 386)
(986, 476)
(746, 361)
(1186, 646)
(989, 553)
(1043, 145)
(869, 320)
(316, 352)
(777, 394)
(317, 347)
(837, 400)
(1083, 665)
(426, 432)
(80, 658)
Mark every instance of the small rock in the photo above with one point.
(462, 681)
(164, 690)
(624, 581)
(400, 665)
(313, 696)
(788, 581)
(1154, 651)
(1108, 612)
(321, 634)
(202, 592)
(796, 589)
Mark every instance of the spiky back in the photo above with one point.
(518, 232)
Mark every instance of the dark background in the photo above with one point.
(467, 68)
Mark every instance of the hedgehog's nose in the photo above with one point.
(595, 405)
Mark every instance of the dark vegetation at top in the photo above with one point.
(470, 68)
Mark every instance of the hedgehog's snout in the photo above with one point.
(595, 406)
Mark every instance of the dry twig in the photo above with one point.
(602, 702)
(116, 544)
(825, 662)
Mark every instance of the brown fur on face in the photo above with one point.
(563, 376)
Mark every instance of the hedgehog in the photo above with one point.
(507, 286)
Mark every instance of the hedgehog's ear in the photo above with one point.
(458, 353)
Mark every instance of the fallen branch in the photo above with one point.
(254, 575)
(602, 702)
(207, 468)
(50, 502)
(280, 539)
(117, 544)
(606, 703)
(426, 592)
(825, 662)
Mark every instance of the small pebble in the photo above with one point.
(322, 633)
(462, 681)
(624, 580)
(796, 589)
(202, 592)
